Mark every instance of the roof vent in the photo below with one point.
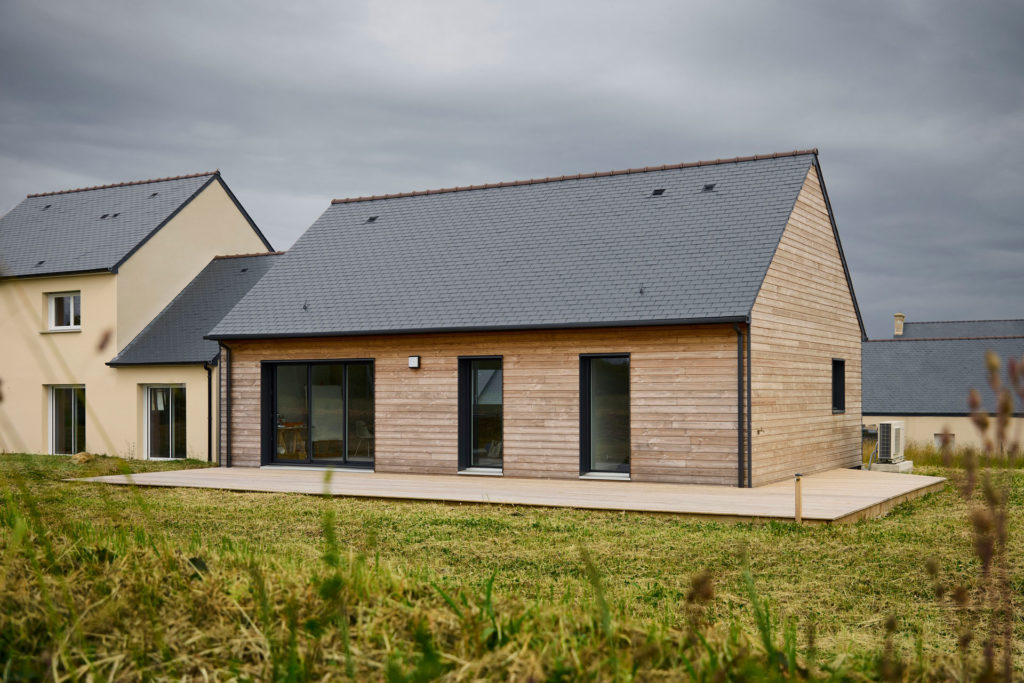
(46, 207)
(372, 219)
(244, 269)
(39, 263)
(153, 195)
(657, 193)
(104, 216)
(708, 187)
(115, 215)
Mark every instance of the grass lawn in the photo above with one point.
(185, 582)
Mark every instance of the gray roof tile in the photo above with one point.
(930, 377)
(571, 252)
(67, 232)
(953, 329)
(176, 334)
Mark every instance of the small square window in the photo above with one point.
(65, 311)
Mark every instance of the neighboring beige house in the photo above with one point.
(923, 375)
(82, 274)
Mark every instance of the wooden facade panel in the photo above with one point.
(682, 386)
(803, 318)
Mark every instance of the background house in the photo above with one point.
(82, 274)
(683, 323)
(924, 373)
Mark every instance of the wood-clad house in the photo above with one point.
(688, 323)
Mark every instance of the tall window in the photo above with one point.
(480, 413)
(838, 385)
(65, 311)
(165, 423)
(321, 413)
(67, 419)
(604, 414)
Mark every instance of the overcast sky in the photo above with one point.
(917, 109)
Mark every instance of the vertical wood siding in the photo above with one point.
(682, 395)
(802, 319)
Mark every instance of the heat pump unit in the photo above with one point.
(890, 442)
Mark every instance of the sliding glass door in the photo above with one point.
(321, 413)
(165, 425)
(604, 414)
(67, 420)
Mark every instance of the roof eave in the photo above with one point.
(124, 364)
(485, 328)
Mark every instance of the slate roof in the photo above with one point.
(571, 251)
(960, 329)
(93, 228)
(930, 376)
(175, 335)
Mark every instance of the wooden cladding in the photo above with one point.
(803, 319)
(682, 398)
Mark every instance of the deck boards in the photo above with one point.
(839, 495)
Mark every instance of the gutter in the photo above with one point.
(750, 462)
(225, 369)
(209, 411)
(484, 328)
(739, 406)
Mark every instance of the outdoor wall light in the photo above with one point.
(414, 362)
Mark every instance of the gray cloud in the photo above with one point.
(917, 108)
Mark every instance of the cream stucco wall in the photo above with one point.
(33, 359)
(115, 307)
(210, 225)
(921, 429)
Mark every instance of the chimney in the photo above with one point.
(898, 332)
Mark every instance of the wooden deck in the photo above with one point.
(840, 495)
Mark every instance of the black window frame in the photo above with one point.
(838, 385)
(584, 405)
(465, 410)
(268, 389)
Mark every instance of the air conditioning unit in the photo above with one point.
(890, 442)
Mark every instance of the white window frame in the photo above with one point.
(51, 310)
(145, 420)
(52, 411)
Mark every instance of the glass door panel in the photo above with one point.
(159, 422)
(63, 420)
(291, 413)
(609, 414)
(328, 411)
(360, 413)
(485, 427)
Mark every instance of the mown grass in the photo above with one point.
(141, 583)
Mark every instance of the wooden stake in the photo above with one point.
(799, 499)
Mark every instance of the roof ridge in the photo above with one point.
(989, 320)
(916, 339)
(261, 253)
(579, 176)
(124, 184)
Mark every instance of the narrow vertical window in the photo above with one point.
(481, 413)
(838, 385)
(67, 420)
(165, 423)
(604, 414)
